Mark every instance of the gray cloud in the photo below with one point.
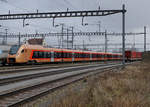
(137, 15)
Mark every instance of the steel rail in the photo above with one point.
(15, 69)
(23, 77)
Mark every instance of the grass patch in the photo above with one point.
(128, 88)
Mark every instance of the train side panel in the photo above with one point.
(40, 54)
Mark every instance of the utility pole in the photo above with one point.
(144, 38)
(3, 42)
(5, 37)
(72, 37)
(99, 26)
(83, 45)
(123, 35)
(134, 42)
(105, 41)
(19, 39)
(62, 31)
(67, 38)
(23, 22)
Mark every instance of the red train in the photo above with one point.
(133, 55)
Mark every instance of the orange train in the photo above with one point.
(39, 54)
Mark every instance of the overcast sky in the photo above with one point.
(136, 16)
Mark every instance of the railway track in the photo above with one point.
(5, 69)
(15, 69)
(22, 66)
(26, 75)
(36, 87)
(26, 67)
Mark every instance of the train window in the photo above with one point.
(40, 54)
(77, 55)
(108, 56)
(99, 56)
(103, 56)
(94, 55)
(67, 55)
(48, 54)
(14, 49)
(57, 55)
(88, 55)
(85, 55)
(64, 55)
(70, 55)
(80, 55)
(45, 55)
(35, 54)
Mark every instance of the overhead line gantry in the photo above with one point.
(59, 14)
(72, 14)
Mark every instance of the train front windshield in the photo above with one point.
(14, 49)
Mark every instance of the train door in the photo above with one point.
(91, 56)
(52, 56)
(62, 54)
(25, 51)
(72, 57)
